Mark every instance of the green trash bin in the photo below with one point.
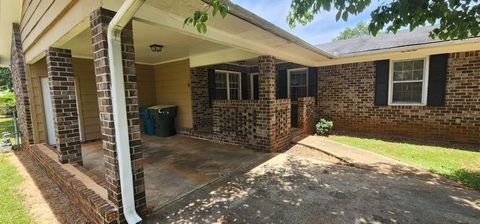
(164, 119)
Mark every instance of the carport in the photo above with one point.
(73, 80)
(178, 165)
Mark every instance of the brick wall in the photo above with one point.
(280, 133)
(17, 67)
(202, 111)
(99, 23)
(201, 108)
(91, 204)
(255, 124)
(307, 114)
(64, 105)
(346, 94)
(262, 124)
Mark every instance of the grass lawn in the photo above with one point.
(6, 124)
(456, 164)
(12, 209)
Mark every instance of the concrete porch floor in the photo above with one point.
(178, 165)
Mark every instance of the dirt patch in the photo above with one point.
(45, 201)
(302, 151)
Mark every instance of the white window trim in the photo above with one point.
(288, 78)
(251, 85)
(228, 82)
(426, 64)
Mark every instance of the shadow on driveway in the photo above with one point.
(299, 188)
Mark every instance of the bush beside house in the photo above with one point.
(324, 126)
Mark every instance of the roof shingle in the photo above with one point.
(382, 41)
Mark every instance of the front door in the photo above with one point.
(48, 111)
(297, 87)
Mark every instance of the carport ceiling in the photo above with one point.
(176, 45)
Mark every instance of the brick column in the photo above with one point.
(306, 114)
(273, 116)
(99, 20)
(266, 78)
(64, 105)
(17, 67)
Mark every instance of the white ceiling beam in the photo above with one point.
(221, 56)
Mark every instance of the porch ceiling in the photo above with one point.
(240, 30)
(176, 46)
(10, 12)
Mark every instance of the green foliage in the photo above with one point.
(303, 11)
(7, 99)
(7, 102)
(324, 126)
(457, 19)
(359, 30)
(5, 79)
(200, 17)
(454, 163)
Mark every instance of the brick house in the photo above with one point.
(244, 82)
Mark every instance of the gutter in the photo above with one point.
(119, 21)
(252, 18)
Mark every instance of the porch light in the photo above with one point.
(156, 47)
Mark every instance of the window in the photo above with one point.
(298, 83)
(408, 79)
(254, 86)
(227, 85)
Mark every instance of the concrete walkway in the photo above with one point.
(346, 153)
(353, 155)
(365, 159)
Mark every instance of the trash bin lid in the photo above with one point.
(161, 106)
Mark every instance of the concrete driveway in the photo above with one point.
(306, 186)
(177, 165)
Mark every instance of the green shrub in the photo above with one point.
(7, 102)
(324, 126)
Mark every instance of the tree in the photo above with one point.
(5, 79)
(457, 19)
(7, 102)
(348, 33)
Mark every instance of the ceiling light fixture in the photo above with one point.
(156, 47)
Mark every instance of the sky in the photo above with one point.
(321, 30)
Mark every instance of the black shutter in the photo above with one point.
(437, 79)
(255, 87)
(211, 86)
(282, 86)
(312, 81)
(381, 82)
(244, 86)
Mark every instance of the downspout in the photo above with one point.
(119, 21)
